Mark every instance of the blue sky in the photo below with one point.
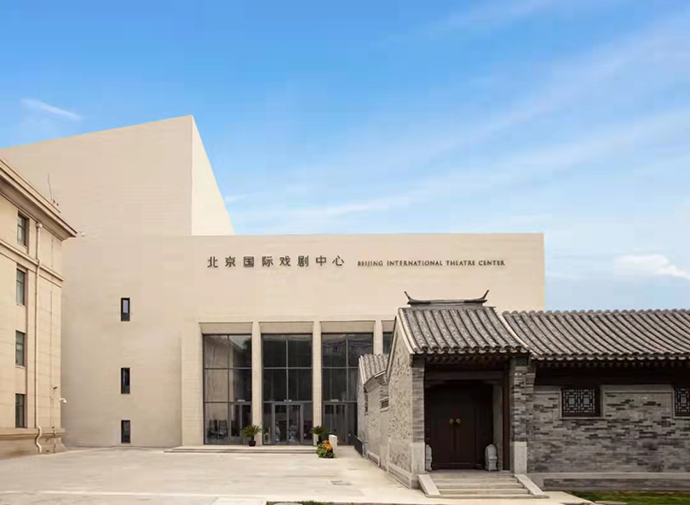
(568, 117)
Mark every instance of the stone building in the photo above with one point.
(31, 233)
(571, 399)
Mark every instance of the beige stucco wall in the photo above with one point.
(149, 179)
(173, 292)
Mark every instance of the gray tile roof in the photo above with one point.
(609, 335)
(457, 329)
(371, 365)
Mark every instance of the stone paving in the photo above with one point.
(129, 475)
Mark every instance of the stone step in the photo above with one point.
(487, 496)
(479, 479)
(474, 485)
(482, 490)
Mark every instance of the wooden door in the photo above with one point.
(460, 425)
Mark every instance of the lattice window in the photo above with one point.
(682, 401)
(580, 402)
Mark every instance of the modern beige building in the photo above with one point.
(31, 233)
(178, 332)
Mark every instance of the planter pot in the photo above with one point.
(252, 443)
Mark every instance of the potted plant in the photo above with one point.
(325, 450)
(321, 432)
(250, 431)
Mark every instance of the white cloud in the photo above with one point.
(37, 106)
(646, 265)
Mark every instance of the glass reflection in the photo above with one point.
(227, 387)
(341, 353)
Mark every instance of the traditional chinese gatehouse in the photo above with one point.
(570, 399)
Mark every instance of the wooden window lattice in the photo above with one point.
(580, 402)
(682, 402)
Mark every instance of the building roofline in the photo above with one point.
(30, 194)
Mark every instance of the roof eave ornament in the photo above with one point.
(471, 301)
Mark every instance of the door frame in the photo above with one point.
(483, 412)
(300, 423)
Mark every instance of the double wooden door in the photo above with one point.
(460, 425)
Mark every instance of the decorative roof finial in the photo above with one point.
(470, 301)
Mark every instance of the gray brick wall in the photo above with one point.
(374, 417)
(522, 376)
(636, 433)
(400, 407)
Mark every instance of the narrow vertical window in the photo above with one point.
(125, 308)
(682, 401)
(20, 348)
(21, 287)
(19, 411)
(125, 432)
(22, 230)
(124, 381)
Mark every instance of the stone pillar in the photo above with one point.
(257, 379)
(521, 385)
(378, 337)
(317, 371)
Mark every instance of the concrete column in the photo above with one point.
(257, 379)
(378, 337)
(192, 386)
(316, 374)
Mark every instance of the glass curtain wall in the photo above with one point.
(227, 388)
(340, 355)
(287, 389)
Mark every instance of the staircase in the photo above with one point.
(477, 484)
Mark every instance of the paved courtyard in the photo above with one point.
(119, 476)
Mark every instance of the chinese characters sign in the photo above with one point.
(310, 261)
(300, 261)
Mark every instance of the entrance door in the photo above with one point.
(341, 420)
(460, 423)
(286, 425)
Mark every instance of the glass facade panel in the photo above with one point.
(300, 383)
(274, 350)
(240, 353)
(287, 378)
(275, 384)
(334, 350)
(227, 388)
(334, 384)
(217, 425)
(387, 342)
(240, 386)
(216, 385)
(341, 353)
(358, 345)
(299, 351)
